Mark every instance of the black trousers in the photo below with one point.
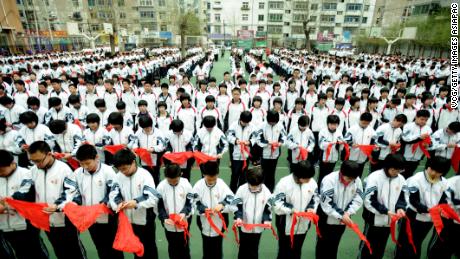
(212, 247)
(26, 244)
(66, 242)
(103, 236)
(146, 234)
(377, 165)
(284, 241)
(6, 251)
(238, 177)
(155, 172)
(316, 150)
(249, 245)
(328, 245)
(325, 169)
(361, 169)
(419, 232)
(177, 247)
(446, 245)
(377, 237)
(409, 168)
(269, 169)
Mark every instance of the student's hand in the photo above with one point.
(50, 209)
(169, 222)
(451, 145)
(391, 214)
(182, 216)
(119, 207)
(401, 213)
(247, 143)
(238, 141)
(424, 135)
(67, 156)
(219, 156)
(346, 219)
(392, 144)
(150, 150)
(238, 222)
(355, 145)
(130, 204)
(311, 210)
(268, 223)
(218, 208)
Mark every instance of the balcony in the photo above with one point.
(217, 6)
(245, 8)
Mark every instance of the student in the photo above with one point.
(179, 139)
(297, 192)
(58, 111)
(271, 137)
(209, 110)
(96, 135)
(251, 199)
(414, 133)
(166, 97)
(384, 197)
(102, 112)
(241, 132)
(296, 113)
(388, 138)
(444, 141)
(258, 112)
(223, 98)
(333, 137)
(234, 108)
(137, 203)
(163, 118)
(426, 189)
(187, 113)
(301, 137)
(33, 131)
(361, 134)
(212, 195)
(12, 111)
(176, 198)
(340, 194)
(92, 182)
(319, 113)
(153, 141)
(110, 95)
(78, 111)
(68, 137)
(34, 105)
(119, 135)
(143, 112)
(128, 121)
(47, 178)
(16, 231)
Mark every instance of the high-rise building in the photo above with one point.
(11, 26)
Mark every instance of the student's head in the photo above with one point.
(146, 123)
(453, 128)
(223, 88)
(172, 174)
(55, 102)
(56, 84)
(177, 126)
(372, 103)
(436, 167)
(322, 99)
(142, 105)
(255, 178)
(236, 93)
(57, 126)
(100, 105)
(333, 122)
(116, 120)
(93, 120)
(395, 102)
(350, 170)
(88, 157)
(399, 121)
(410, 99)
(393, 165)
(29, 118)
(303, 171)
(33, 103)
(365, 119)
(40, 154)
(211, 172)
(209, 122)
(273, 117)
(185, 99)
(339, 103)
(125, 162)
(210, 100)
(20, 85)
(299, 103)
(277, 104)
(422, 117)
(74, 100)
(7, 164)
(257, 101)
(121, 106)
(245, 118)
(303, 122)
(7, 102)
(164, 88)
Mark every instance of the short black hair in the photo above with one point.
(93, 118)
(303, 170)
(454, 126)
(39, 146)
(273, 116)
(145, 121)
(254, 176)
(5, 100)
(246, 116)
(73, 99)
(28, 117)
(172, 171)
(54, 101)
(303, 121)
(367, 116)
(86, 152)
(211, 168)
(350, 169)
(99, 103)
(123, 157)
(32, 100)
(401, 118)
(115, 118)
(57, 126)
(333, 119)
(6, 158)
(209, 121)
(121, 105)
(176, 125)
(423, 113)
(395, 161)
(439, 164)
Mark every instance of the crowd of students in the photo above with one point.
(62, 113)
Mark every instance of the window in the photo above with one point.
(162, 16)
(260, 28)
(217, 29)
(364, 20)
(275, 17)
(93, 14)
(261, 18)
(100, 2)
(147, 14)
(244, 27)
(354, 7)
(366, 8)
(95, 27)
(261, 5)
(299, 17)
(245, 5)
(300, 6)
(75, 3)
(146, 2)
(275, 29)
(149, 26)
(161, 3)
(351, 19)
(330, 6)
(297, 30)
(314, 7)
(276, 5)
(217, 17)
(245, 17)
(122, 15)
(121, 2)
(313, 18)
(91, 3)
(164, 27)
(327, 18)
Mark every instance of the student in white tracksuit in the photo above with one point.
(300, 137)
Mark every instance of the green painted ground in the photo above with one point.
(268, 247)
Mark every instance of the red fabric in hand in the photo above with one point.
(125, 239)
(83, 217)
(31, 211)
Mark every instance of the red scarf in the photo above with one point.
(208, 213)
(31, 211)
(367, 150)
(72, 162)
(250, 227)
(313, 217)
(112, 149)
(78, 123)
(202, 158)
(446, 211)
(109, 127)
(421, 144)
(244, 150)
(83, 217)
(274, 147)
(410, 238)
(178, 157)
(345, 183)
(395, 148)
(303, 154)
(345, 146)
(361, 236)
(181, 224)
(455, 160)
(144, 155)
(125, 239)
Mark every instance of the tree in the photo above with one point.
(307, 29)
(188, 24)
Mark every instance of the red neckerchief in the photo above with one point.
(395, 219)
(208, 214)
(244, 150)
(250, 227)
(345, 183)
(313, 217)
(181, 224)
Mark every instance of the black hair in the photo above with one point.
(246, 116)
(254, 176)
(6, 158)
(439, 164)
(333, 119)
(367, 116)
(176, 125)
(162, 103)
(209, 121)
(99, 103)
(121, 105)
(395, 161)
(28, 117)
(211, 168)
(454, 126)
(145, 122)
(303, 170)
(86, 152)
(123, 157)
(273, 116)
(303, 121)
(73, 99)
(33, 101)
(350, 169)
(93, 118)
(142, 103)
(57, 126)
(401, 118)
(39, 146)
(300, 100)
(115, 118)
(210, 98)
(172, 171)
(54, 101)
(423, 113)
(340, 101)
(5, 100)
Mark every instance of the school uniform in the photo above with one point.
(410, 136)
(188, 117)
(297, 139)
(233, 113)
(327, 163)
(360, 136)
(64, 114)
(180, 143)
(98, 139)
(211, 143)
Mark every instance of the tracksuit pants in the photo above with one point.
(178, 247)
(24, 244)
(66, 242)
(103, 236)
(284, 241)
(328, 244)
(146, 234)
(446, 245)
(420, 230)
(325, 169)
(377, 237)
(269, 170)
(249, 245)
(238, 177)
